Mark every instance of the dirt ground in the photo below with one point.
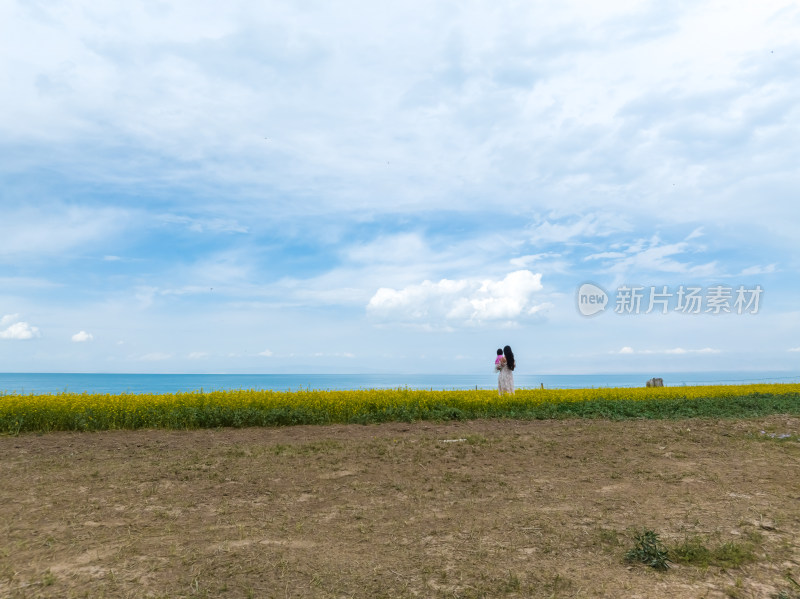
(491, 508)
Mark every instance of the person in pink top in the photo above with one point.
(499, 357)
(505, 368)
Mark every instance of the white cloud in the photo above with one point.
(459, 302)
(82, 337)
(526, 261)
(145, 296)
(604, 256)
(204, 225)
(266, 353)
(16, 329)
(54, 230)
(395, 261)
(198, 355)
(759, 270)
(794, 349)
(672, 351)
(23, 283)
(654, 256)
(698, 232)
(658, 258)
(394, 249)
(590, 225)
(525, 93)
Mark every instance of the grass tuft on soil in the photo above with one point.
(695, 551)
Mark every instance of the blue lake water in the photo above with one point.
(26, 383)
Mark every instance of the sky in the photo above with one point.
(361, 187)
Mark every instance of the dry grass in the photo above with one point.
(491, 508)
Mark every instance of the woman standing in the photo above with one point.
(505, 368)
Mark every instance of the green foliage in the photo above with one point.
(648, 549)
(733, 555)
(694, 551)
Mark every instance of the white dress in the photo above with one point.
(505, 378)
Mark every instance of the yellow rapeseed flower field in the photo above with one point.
(85, 411)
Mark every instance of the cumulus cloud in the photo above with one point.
(13, 328)
(266, 353)
(82, 337)
(459, 302)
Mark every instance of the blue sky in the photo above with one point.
(362, 187)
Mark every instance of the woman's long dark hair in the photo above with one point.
(509, 357)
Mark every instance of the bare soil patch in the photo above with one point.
(490, 508)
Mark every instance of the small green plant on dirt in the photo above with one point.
(695, 552)
(48, 579)
(648, 549)
(692, 551)
(733, 555)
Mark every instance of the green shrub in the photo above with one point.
(648, 550)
